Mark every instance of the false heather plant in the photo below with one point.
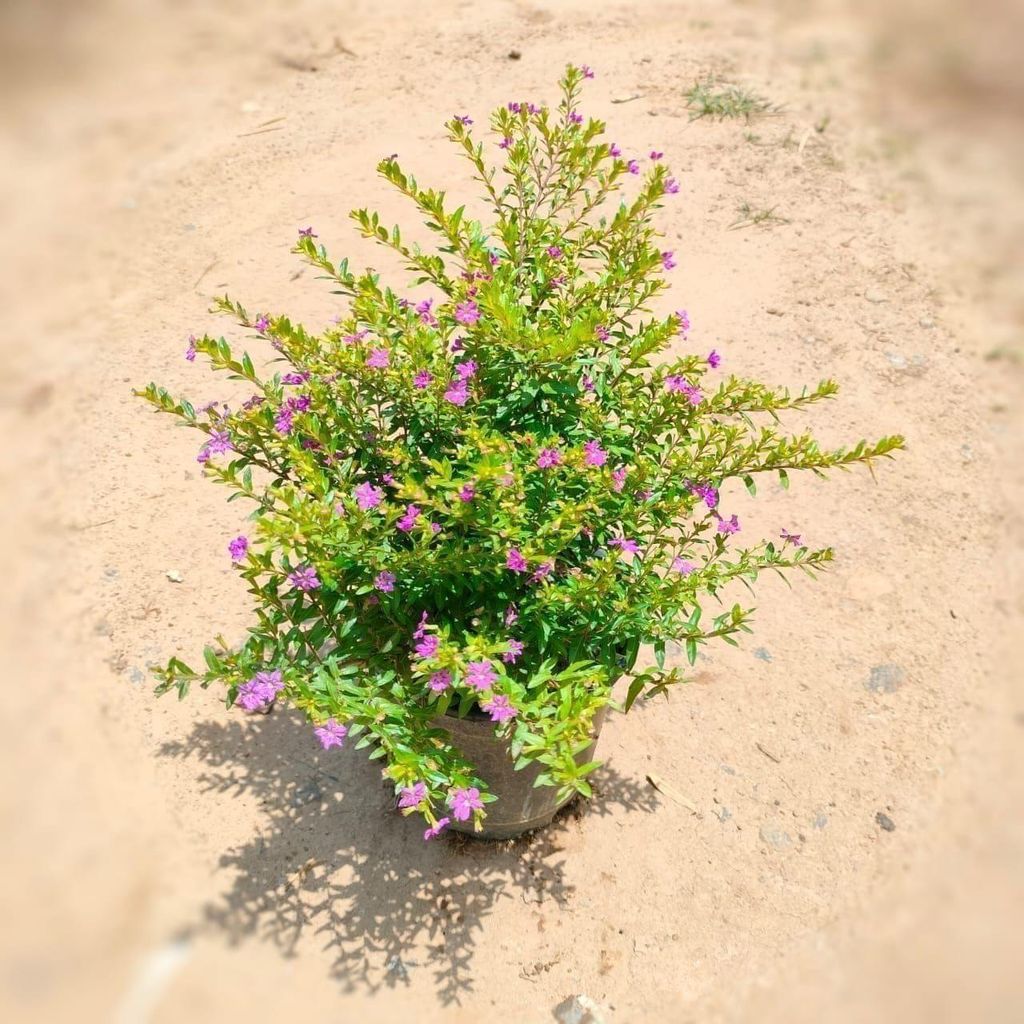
(490, 494)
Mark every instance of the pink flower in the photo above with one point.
(262, 324)
(238, 548)
(655, 155)
(190, 352)
(677, 383)
(511, 615)
(555, 252)
(671, 186)
(595, 454)
(385, 582)
(682, 566)
(727, 526)
(515, 648)
(707, 494)
(668, 259)
(441, 680)
(480, 675)
(515, 561)
(413, 796)
(587, 71)
(684, 321)
(368, 496)
(614, 151)
(379, 358)
(408, 521)
(435, 830)
(499, 708)
(619, 478)
(601, 333)
(543, 571)
(467, 369)
(468, 493)
(427, 646)
(464, 801)
(505, 143)
(790, 538)
(714, 360)
(331, 734)
(633, 166)
(457, 393)
(467, 312)
(424, 313)
(549, 457)
(587, 383)
(422, 379)
(625, 544)
(304, 578)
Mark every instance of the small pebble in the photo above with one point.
(174, 576)
(885, 822)
(820, 820)
(926, 322)
(763, 654)
(885, 679)
(874, 295)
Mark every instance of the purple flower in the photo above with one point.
(458, 392)
(422, 379)
(306, 233)
(368, 496)
(633, 166)
(384, 582)
(425, 315)
(655, 155)
(707, 494)
(331, 734)
(295, 378)
(304, 578)
(190, 352)
(515, 561)
(511, 615)
(283, 420)
(480, 675)
(238, 548)
(413, 796)
(714, 360)
(499, 708)
(354, 339)
(671, 186)
(505, 142)
(684, 321)
(587, 71)
(625, 544)
(435, 830)
(613, 150)
(258, 693)
(619, 478)
(667, 259)
(727, 526)
(408, 521)
(467, 369)
(587, 383)
(299, 403)
(464, 801)
(677, 383)
(575, 118)
(262, 324)
(427, 646)
(441, 680)
(467, 312)
(253, 403)
(514, 107)
(790, 538)
(515, 648)
(543, 571)
(682, 566)
(379, 358)
(555, 252)
(464, 119)
(549, 457)
(596, 455)
(601, 333)
(468, 493)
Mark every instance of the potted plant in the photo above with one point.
(472, 507)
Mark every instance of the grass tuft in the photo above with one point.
(709, 98)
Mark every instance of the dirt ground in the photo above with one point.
(167, 862)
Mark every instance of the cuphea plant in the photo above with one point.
(489, 494)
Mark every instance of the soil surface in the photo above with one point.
(836, 833)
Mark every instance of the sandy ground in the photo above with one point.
(168, 862)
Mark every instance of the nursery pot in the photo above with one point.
(520, 806)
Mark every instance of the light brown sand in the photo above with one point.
(170, 862)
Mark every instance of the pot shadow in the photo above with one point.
(333, 858)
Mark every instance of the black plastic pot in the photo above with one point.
(520, 807)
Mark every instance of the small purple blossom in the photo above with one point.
(458, 392)
(422, 379)
(549, 457)
(283, 420)
(368, 496)
(575, 118)
(633, 167)
(601, 332)
(304, 578)
(253, 403)
(505, 142)
(514, 107)
(714, 360)
(331, 734)
(468, 493)
(555, 252)
(727, 526)
(627, 544)
(511, 615)
(464, 119)
(480, 675)
(668, 259)
(435, 830)
(427, 646)
(355, 338)
(413, 796)
(707, 494)
(384, 582)
(515, 648)
(588, 72)
(421, 630)
(515, 561)
(542, 572)
(295, 378)
(379, 358)
(425, 314)
(441, 680)
(238, 548)
(307, 233)
(790, 538)
(499, 708)
(684, 321)
(467, 369)
(675, 382)
(467, 312)
(464, 801)
(682, 566)
(587, 382)
(258, 693)
(595, 454)
(190, 352)
(655, 155)
(614, 151)
(408, 521)
(262, 324)
(619, 478)
(671, 186)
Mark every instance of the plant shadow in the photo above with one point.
(333, 858)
